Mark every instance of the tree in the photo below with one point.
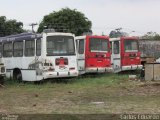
(117, 33)
(8, 27)
(151, 36)
(66, 20)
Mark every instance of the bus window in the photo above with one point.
(7, 49)
(110, 47)
(81, 46)
(38, 47)
(29, 48)
(18, 49)
(116, 47)
(104, 45)
(131, 45)
(98, 45)
(0, 50)
(60, 45)
(77, 45)
(71, 46)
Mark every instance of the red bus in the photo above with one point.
(93, 53)
(125, 54)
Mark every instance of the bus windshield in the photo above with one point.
(60, 45)
(131, 45)
(98, 45)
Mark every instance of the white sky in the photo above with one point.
(140, 16)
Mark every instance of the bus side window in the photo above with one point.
(38, 47)
(77, 46)
(29, 48)
(81, 46)
(110, 47)
(18, 49)
(116, 47)
(71, 46)
(0, 50)
(7, 49)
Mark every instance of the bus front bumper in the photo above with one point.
(132, 67)
(99, 70)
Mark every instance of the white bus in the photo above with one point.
(35, 57)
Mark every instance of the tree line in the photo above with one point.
(64, 20)
(9, 27)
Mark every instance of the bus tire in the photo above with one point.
(17, 75)
(39, 82)
(1, 80)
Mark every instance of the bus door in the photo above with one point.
(116, 57)
(81, 55)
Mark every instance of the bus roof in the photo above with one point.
(30, 36)
(91, 36)
(121, 38)
(19, 37)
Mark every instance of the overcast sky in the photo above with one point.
(140, 16)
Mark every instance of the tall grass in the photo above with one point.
(99, 79)
(78, 82)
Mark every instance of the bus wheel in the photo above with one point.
(38, 82)
(17, 75)
(1, 80)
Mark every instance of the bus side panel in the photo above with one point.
(104, 61)
(116, 65)
(81, 64)
(9, 73)
(127, 60)
(98, 62)
(29, 75)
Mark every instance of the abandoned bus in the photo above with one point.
(125, 54)
(34, 57)
(93, 54)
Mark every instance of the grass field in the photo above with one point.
(98, 94)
